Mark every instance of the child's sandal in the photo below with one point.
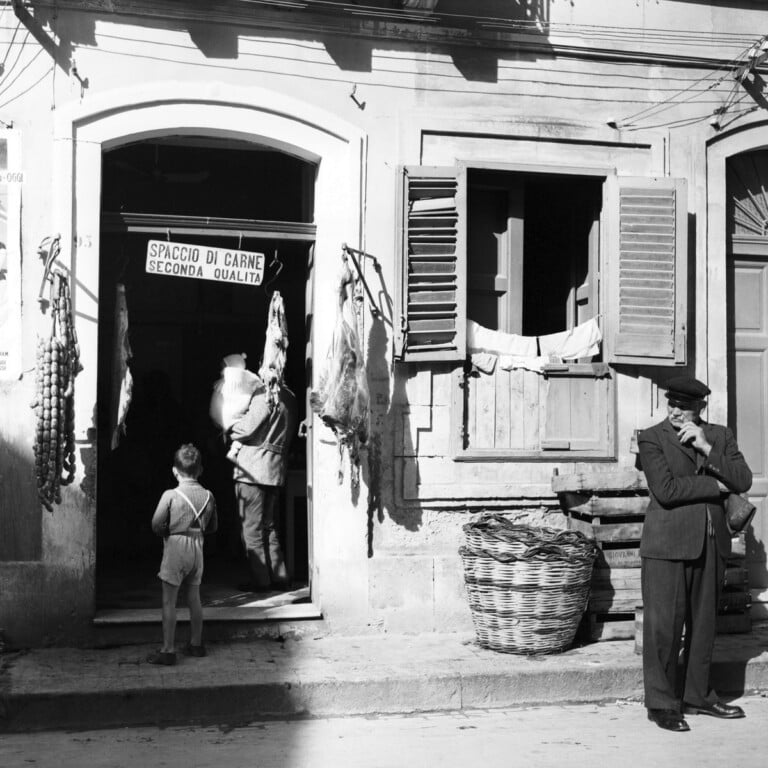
(165, 658)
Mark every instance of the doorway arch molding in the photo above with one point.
(719, 149)
(83, 131)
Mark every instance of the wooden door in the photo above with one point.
(748, 389)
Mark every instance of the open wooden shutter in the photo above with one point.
(644, 270)
(430, 305)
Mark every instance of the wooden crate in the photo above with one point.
(736, 600)
(608, 506)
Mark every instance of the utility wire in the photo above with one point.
(691, 120)
(569, 83)
(10, 45)
(539, 27)
(668, 103)
(4, 86)
(7, 73)
(373, 84)
(29, 88)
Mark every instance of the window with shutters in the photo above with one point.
(535, 251)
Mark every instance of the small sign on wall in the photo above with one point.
(10, 256)
(201, 262)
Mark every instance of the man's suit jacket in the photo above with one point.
(684, 490)
(266, 437)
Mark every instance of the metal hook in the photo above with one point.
(240, 242)
(168, 234)
(360, 104)
(275, 260)
(48, 250)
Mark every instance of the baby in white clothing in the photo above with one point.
(232, 394)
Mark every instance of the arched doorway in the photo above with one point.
(270, 120)
(204, 192)
(747, 328)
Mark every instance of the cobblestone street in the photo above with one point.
(579, 736)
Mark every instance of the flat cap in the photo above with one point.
(685, 390)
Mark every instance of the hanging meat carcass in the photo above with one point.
(122, 379)
(275, 349)
(342, 399)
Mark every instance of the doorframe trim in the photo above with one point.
(712, 320)
(84, 130)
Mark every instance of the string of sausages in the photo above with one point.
(58, 362)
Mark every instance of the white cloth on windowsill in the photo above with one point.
(481, 339)
(581, 341)
(484, 362)
(510, 362)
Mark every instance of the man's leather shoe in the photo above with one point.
(718, 709)
(669, 719)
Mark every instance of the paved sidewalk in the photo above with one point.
(325, 676)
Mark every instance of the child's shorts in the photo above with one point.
(182, 559)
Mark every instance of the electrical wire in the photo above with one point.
(539, 27)
(569, 83)
(691, 120)
(694, 36)
(604, 32)
(10, 45)
(10, 69)
(5, 86)
(655, 110)
(372, 84)
(501, 67)
(29, 88)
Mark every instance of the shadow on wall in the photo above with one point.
(377, 366)
(20, 510)
(341, 27)
(409, 518)
(374, 471)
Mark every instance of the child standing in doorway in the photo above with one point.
(183, 515)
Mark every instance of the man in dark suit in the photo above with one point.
(688, 464)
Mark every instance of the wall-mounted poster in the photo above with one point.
(11, 180)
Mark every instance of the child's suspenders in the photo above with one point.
(197, 513)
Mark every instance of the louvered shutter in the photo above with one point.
(645, 270)
(430, 308)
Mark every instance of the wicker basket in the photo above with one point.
(527, 586)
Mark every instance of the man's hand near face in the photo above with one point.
(692, 434)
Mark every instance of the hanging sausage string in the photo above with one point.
(58, 363)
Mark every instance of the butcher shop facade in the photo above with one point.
(496, 266)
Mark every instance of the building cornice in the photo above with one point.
(305, 18)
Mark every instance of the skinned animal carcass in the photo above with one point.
(342, 399)
(275, 349)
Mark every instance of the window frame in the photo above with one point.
(604, 282)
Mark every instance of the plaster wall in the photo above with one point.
(383, 559)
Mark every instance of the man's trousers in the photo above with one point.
(257, 505)
(680, 594)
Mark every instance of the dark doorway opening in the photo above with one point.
(179, 329)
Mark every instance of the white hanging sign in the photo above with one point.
(227, 265)
(10, 258)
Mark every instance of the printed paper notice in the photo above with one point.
(10, 269)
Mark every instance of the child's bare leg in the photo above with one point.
(195, 615)
(170, 593)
